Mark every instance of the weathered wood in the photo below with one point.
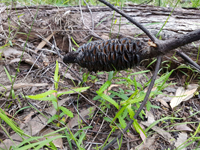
(76, 22)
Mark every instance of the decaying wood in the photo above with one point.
(76, 22)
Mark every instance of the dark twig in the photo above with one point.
(152, 37)
(189, 60)
(159, 58)
(163, 47)
(182, 40)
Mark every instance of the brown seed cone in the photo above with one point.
(107, 55)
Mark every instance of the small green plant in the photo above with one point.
(129, 99)
(52, 96)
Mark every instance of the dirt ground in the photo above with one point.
(28, 58)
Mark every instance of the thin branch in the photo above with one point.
(152, 37)
(189, 60)
(174, 43)
(163, 47)
(159, 58)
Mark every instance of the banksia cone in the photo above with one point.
(107, 55)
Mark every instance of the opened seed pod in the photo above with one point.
(107, 55)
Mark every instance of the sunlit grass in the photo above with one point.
(162, 3)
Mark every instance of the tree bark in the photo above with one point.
(101, 23)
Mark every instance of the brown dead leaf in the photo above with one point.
(182, 127)
(22, 85)
(163, 102)
(33, 126)
(183, 95)
(9, 52)
(13, 57)
(166, 135)
(181, 139)
(148, 144)
(142, 135)
(150, 117)
(58, 142)
(131, 136)
(68, 76)
(110, 87)
(44, 42)
(75, 121)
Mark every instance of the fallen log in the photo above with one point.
(79, 24)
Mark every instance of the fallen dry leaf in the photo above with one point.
(44, 42)
(166, 135)
(75, 121)
(110, 87)
(181, 139)
(34, 126)
(150, 117)
(22, 85)
(57, 142)
(160, 131)
(163, 102)
(148, 144)
(142, 135)
(13, 57)
(182, 127)
(183, 95)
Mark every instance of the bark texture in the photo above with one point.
(65, 23)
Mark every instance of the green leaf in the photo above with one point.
(85, 77)
(52, 118)
(74, 41)
(8, 75)
(110, 75)
(96, 98)
(165, 78)
(138, 128)
(66, 111)
(81, 137)
(75, 90)
(56, 78)
(109, 99)
(107, 119)
(11, 124)
(55, 105)
(39, 144)
(141, 72)
(148, 105)
(121, 95)
(104, 86)
(39, 96)
(99, 73)
(135, 83)
(115, 21)
(119, 113)
(130, 111)
(122, 121)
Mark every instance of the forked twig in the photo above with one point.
(161, 48)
